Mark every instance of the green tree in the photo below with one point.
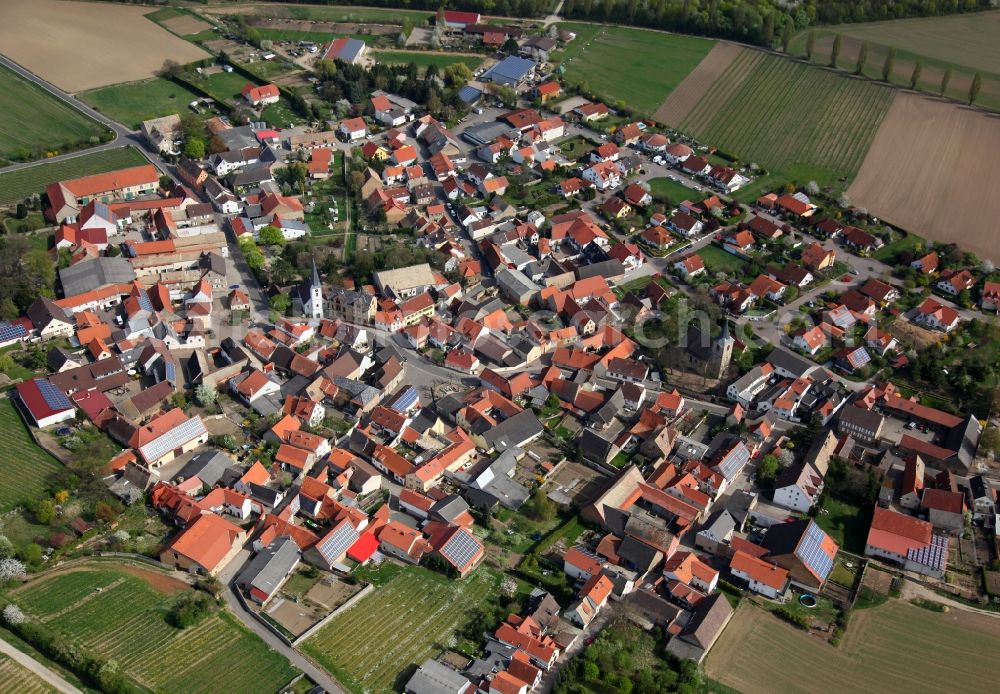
(859, 69)
(945, 79)
(6, 363)
(540, 506)
(768, 468)
(510, 46)
(206, 394)
(890, 60)
(31, 554)
(786, 37)
(990, 440)
(835, 51)
(271, 236)
(45, 511)
(280, 303)
(194, 148)
(457, 74)
(977, 83)
(918, 67)
(591, 672)
(810, 44)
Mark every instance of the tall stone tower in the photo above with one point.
(722, 351)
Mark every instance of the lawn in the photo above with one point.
(133, 102)
(907, 242)
(638, 67)
(817, 125)
(845, 523)
(126, 622)
(893, 648)
(25, 468)
(35, 122)
(425, 59)
(718, 260)
(673, 192)
(17, 185)
(223, 86)
(413, 616)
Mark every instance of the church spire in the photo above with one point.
(315, 278)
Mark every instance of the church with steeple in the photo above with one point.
(308, 298)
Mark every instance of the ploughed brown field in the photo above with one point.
(82, 45)
(689, 92)
(932, 170)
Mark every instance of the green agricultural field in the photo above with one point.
(896, 649)
(789, 117)
(17, 678)
(133, 102)
(18, 185)
(337, 14)
(632, 65)
(25, 468)
(425, 59)
(401, 623)
(34, 122)
(126, 622)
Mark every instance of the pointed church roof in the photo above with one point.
(315, 277)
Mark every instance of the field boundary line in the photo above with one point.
(323, 622)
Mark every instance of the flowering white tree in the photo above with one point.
(12, 614)
(508, 586)
(11, 568)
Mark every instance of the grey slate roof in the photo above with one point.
(88, 275)
(268, 569)
(435, 678)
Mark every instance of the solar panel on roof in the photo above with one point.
(811, 552)
(171, 372)
(175, 438)
(461, 548)
(54, 398)
(144, 303)
(338, 542)
(11, 331)
(734, 462)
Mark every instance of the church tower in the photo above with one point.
(315, 295)
(722, 351)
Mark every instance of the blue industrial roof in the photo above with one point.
(470, 94)
(510, 70)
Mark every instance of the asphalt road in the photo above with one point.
(318, 675)
(50, 677)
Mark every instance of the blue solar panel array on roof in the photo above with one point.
(170, 371)
(461, 548)
(734, 461)
(338, 542)
(144, 303)
(406, 400)
(811, 552)
(11, 331)
(53, 397)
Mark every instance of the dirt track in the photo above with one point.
(690, 91)
(932, 170)
(82, 45)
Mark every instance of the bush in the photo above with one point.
(190, 609)
(793, 618)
